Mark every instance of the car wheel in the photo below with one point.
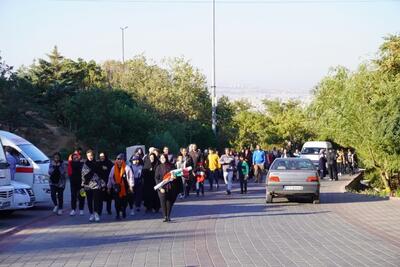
(315, 200)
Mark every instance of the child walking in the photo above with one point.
(200, 172)
(243, 170)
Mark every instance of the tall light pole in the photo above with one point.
(213, 83)
(123, 43)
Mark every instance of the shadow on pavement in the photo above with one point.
(70, 239)
(335, 198)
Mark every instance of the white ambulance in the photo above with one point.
(32, 167)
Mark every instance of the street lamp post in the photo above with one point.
(213, 82)
(123, 43)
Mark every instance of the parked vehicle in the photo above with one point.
(32, 167)
(23, 197)
(6, 190)
(292, 177)
(6, 195)
(311, 150)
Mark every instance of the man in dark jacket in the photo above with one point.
(332, 167)
(195, 154)
(105, 166)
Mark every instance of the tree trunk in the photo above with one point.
(385, 180)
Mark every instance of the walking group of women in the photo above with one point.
(129, 183)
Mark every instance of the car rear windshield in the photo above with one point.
(311, 150)
(298, 164)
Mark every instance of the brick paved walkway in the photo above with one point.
(344, 230)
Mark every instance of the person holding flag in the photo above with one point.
(168, 192)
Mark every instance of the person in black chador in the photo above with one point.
(75, 182)
(169, 192)
(105, 166)
(150, 197)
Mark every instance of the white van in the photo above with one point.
(312, 149)
(33, 165)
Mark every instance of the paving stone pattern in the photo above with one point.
(220, 230)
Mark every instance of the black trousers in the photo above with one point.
(105, 197)
(243, 184)
(200, 187)
(120, 205)
(76, 196)
(188, 185)
(94, 200)
(131, 199)
(57, 196)
(166, 204)
(332, 170)
(138, 191)
(214, 175)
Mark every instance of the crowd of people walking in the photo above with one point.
(130, 182)
(336, 163)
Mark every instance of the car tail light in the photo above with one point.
(312, 179)
(274, 179)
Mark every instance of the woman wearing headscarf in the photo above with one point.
(57, 172)
(150, 196)
(121, 182)
(105, 165)
(140, 154)
(93, 185)
(75, 179)
(169, 191)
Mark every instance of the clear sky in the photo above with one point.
(264, 48)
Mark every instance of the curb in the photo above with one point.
(345, 189)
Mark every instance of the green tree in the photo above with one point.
(288, 123)
(361, 109)
(108, 120)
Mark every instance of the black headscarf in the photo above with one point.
(150, 165)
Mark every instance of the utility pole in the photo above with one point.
(213, 82)
(123, 43)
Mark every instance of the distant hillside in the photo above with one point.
(44, 133)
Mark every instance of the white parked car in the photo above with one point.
(6, 196)
(23, 197)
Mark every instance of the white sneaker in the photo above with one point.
(96, 217)
(132, 212)
(72, 213)
(81, 213)
(91, 218)
(55, 210)
(59, 212)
